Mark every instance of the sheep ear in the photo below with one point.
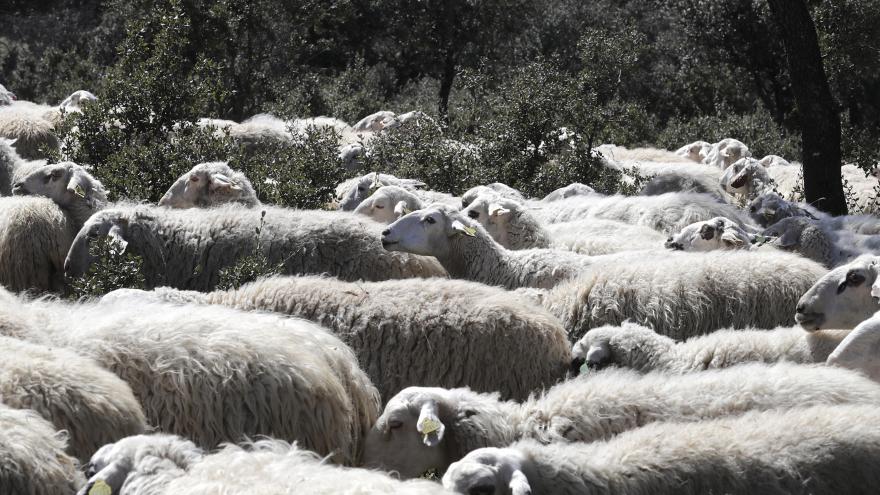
(11, 142)
(461, 228)
(519, 484)
(79, 184)
(220, 182)
(429, 424)
(400, 209)
(117, 237)
(109, 480)
(496, 210)
(788, 239)
(731, 240)
(707, 232)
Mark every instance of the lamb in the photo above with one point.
(571, 190)
(817, 241)
(726, 152)
(467, 251)
(352, 192)
(858, 351)
(161, 464)
(388, 204)
(187, 249)
(842, 298)
(72, 392)
(140, 465)
(510, 223)
(430, 428)
(818, 450)
(696, 151)
(498, 188)
(681, 295)
(666, 213)
(210, 184)
(641, 349)
(216, 374)
(447, 333)
(716, 233)
(32, 456)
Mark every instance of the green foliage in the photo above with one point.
(113, 269)
(249, 268)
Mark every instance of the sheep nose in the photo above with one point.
(18, 188)
(576, 364)
(386, 232)
(801, 308)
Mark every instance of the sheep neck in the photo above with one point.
(477, 258)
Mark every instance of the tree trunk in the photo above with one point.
(819, 121)
(446, 81)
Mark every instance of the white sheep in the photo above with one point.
(162, 464)
(709, 235)
(497, 188)
(667, 213)
(640, 348)
(32, 456)
(571, 190)
(77, 100)
(676, 180)
(859, 350)
(817, 240)
(769, 207)
(388, 203)
(74, 393)
(842, 298)
(774, 161)
(210, 184)
(685, 294)
(594, 236)
(215, 374)
(425, 429)
(819, 450)
(373, 122)
(466, 250)
(696, 151)
(725, 152)
(437, 332)
(352, 192)
(187, 249)
(621, 155)
(10, 162)
(508, 221)
(28, 125)
(6, 96)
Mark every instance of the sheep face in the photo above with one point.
(426, 232)
(593, 350)
(493, 213)
(388, 204)
(842, 298)
(740, 176)
(709, 235)
(696, 151)
(64, 183)
(102, 224)
(78, 99)
(488, 471)
(409, 436)
(770, 208)
(209, 184)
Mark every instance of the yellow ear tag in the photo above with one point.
(470, 231)
(101, 488)
(427, 426)
(79, 191)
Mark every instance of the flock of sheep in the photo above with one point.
(668, 342)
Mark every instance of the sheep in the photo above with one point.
(508, 222)
(819, 450)
(388, 203)
(6, 96)
(373, 122)
(187, 249)
(74, 393)
(696, 151)
(68, 185)
(641, 349)
(210, 184)
(594, 236)
(861, 187)
(774, 161)
(858, 351)
(467, 251)
(571, 190)
(350, 154)
(681, 181)
(621, 154)
(10, 163)
(769, 207)
(716, 233)
(140, 465)
(747, 177)
(425, 429)
(666, 213)
(77, 100)
(447, 333)
(681, 295)
(817, 241)
(33, 133)
(164, 464)
(215, 374)
(498, 188)
(842, 298)
(352, 192)
(725, 152)
(32, 456)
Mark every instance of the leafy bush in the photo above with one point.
(249, 268)
(114, 268)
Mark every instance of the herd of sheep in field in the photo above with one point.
(708, 335)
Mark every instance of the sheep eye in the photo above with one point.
(430, 220)
(194, 178)
(90, 470)
(752, 209)
(474, 214)
(395, 423)
(379, 207)
(854, 279)
(360, 189)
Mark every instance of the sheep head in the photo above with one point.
(489, 471)
(67, 184)
(210, 184)
(709, 235)
(494, 213)
(842, 298)
(428, 232)
(388, 204)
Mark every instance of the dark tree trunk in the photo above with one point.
(819, 121)
(446, 80)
